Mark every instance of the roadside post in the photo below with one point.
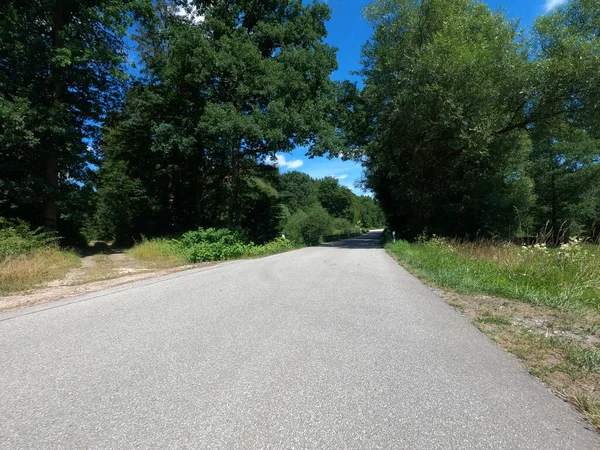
(394, 236)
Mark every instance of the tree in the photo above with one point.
(370, 214)
(225, 87)
(566, 135)
(336, 199)
(446, 85)
(61, 64)
(298, 190)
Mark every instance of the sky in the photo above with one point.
(348, 31)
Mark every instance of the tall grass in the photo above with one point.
(27, 270)
(29, 257)
(163, 252)
(565, 277)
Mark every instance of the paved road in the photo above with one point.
(328, 347)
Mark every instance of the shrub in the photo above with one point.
(211, 236)
(277, 246)
(308, 226)
(17, 238)
(213, 244)
(311, 225)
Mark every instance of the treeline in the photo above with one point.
(154, 117)
(472, 126)
(221, 86)
(269, 205)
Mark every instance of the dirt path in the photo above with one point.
(96, 272)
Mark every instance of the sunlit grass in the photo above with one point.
(164, 252)
(565, 278)
(28, 270)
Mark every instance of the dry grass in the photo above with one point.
(26, 271)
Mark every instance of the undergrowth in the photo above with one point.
(29, 257)
(211, 244)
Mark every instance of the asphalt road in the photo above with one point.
(329, 347)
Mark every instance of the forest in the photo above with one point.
(128, 119)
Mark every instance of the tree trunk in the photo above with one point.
(554, 212)
(235, 182)
(50, 209)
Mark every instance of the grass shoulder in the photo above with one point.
(541, 305)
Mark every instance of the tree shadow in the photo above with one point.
(367, 241)
(99, 248)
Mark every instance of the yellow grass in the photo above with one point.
(22, 272)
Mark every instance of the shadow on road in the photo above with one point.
(366, 241)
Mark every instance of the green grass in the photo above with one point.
(563, 278)
(164, 252)
(497, 320)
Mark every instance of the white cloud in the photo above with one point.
(190, 13)
(551, 4)
(342, 177)
(282, 162)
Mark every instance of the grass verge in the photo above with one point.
(549, 312)
(564, 278)
(161, 251)
(27, 270)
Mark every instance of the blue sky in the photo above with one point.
(348, 31)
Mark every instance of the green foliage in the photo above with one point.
(298, 190)
(562, 278)
(565, 159)
(470, 127)
(336, 199)
(370, 214)
(309, 226)
(444, 84)
(18, 238)
(213, 245)
(120, 201)
(221, 95)
(278, 245)
(63, 64)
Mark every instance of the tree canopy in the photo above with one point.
(466, 122)
(122, 119)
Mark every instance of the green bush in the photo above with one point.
(211, 236)
(213, 244)
(311, 225)
(17, 237)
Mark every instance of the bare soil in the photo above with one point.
(97, 272)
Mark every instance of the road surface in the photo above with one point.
(330, 347)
